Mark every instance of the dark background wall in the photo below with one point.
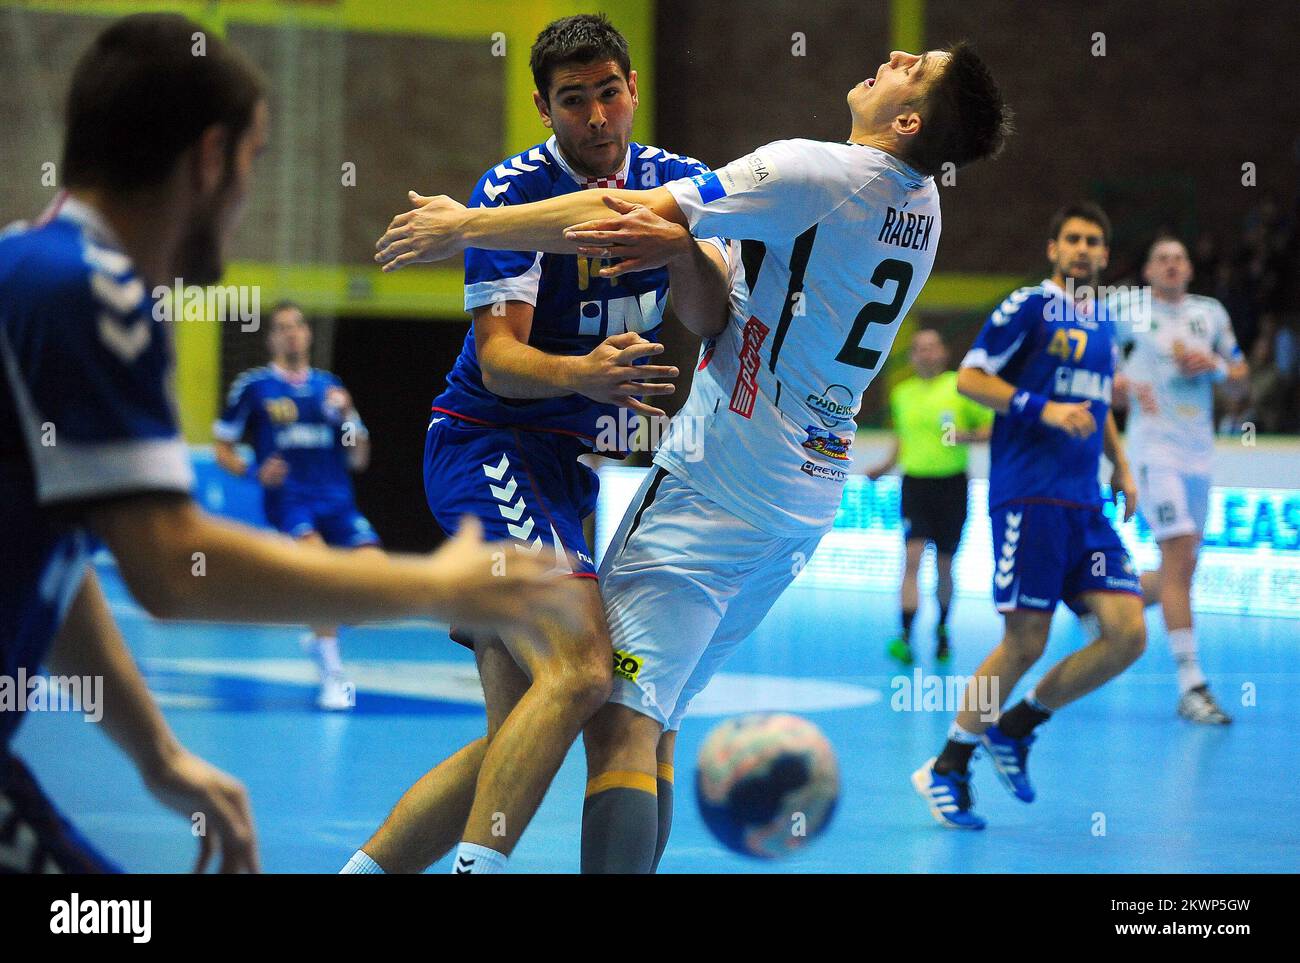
(1188, 91)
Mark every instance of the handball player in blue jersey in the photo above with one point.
(1045, 362)
(554, 352)
(157, 163)
(306, 436)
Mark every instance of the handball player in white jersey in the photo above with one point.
(1176, 356)
(846, 235)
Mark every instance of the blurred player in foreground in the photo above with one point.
(1178, 354)
(847, 233)
(933, 423)
(158, 160)
(307, 436)
(1045, 362)
(555, 353)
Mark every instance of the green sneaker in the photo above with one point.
(942, 653)
(899, 650)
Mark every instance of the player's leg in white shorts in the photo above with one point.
(684, 582)
(1173, 503)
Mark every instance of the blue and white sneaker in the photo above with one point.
(1011, 760)
(949, 796)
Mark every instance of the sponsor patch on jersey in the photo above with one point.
(823, 471)
(834, 405)
(827, 443)
(626, 665)
(745, 392)
(709, 186)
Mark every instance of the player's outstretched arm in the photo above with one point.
(89, 644)
(181, 563)
(440, 227)
(991, 391)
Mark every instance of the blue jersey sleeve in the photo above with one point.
(233, 422)
(93, 372)
(492, 276)
(1005, 334)
(351, 415)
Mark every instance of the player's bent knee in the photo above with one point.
(618, 738)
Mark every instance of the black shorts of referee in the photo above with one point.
(934, 509)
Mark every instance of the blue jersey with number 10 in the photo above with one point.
(574, 308)
(1041, 342)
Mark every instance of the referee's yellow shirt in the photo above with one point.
(928, 413)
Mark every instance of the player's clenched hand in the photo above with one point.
(192, 787)
(490, 588)
(1193, 362)
(272, 472)
(609, 375)
(639, 237)
(1122, 483)
(430, 231)
(1073, 418)
(1146, 396)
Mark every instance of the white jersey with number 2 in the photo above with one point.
(839, 240)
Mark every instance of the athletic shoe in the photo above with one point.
(942, 652)
(949, 797)
(336, 693)
(900, 651)
(1011, 760)
(1197, 705)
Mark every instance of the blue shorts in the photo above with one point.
(524, 486)
(1044, 553)
(336, 519)
(34, 836)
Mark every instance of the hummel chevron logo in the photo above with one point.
(532, 549)
(464, 865)
(122, 296)
(1013, 521)
(503, 493)
(125, 342)
(500, 470)
(513, 512)
(521, 532)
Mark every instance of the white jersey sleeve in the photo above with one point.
(773, 194)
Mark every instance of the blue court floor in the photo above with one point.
(1124, 784)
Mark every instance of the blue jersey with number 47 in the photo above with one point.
(1042, 343)
(297, 419)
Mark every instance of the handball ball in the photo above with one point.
(767, 783)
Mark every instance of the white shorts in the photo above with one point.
(1172, 503)
(684, 583)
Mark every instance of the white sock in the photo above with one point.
(475, 859)
(360, 863)
(1183, 644)
(325, 650)
(957, 734)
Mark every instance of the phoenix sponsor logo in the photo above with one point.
(834, 406)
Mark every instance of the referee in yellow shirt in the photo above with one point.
(932, 424)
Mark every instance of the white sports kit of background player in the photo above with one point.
(1175, 357)
(849, 232)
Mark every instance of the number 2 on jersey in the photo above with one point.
(877, 312)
